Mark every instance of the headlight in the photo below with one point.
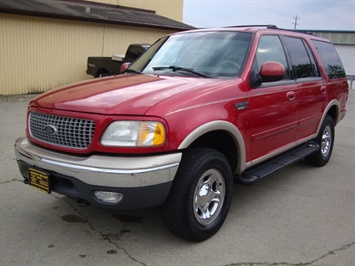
(134, 134)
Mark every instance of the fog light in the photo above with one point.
(109, 197)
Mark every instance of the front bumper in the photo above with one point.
(143, 181)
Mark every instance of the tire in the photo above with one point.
(325, 139)
(201, 194)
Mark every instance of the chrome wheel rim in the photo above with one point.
(209, 196)
(326, 142)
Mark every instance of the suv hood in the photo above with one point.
(126, 94)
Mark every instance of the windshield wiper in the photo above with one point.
(177, 68)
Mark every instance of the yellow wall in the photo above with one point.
(37, 54)
(168, 8)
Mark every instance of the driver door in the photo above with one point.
(272, 105)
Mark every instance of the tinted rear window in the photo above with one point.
(330, 59)
(303, 62)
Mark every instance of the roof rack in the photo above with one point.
(269, 26)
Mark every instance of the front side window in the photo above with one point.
(270, 49)
(303, 63)
(330, 59)
(210, 54)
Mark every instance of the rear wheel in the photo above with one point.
(201, 195)
(325, 139)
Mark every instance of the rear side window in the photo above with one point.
(330, 59)
(303, 63)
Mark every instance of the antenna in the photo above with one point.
(295, 23)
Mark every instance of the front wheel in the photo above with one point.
(201, 195)
(325, 139)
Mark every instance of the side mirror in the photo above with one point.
(271, 71)
(124, 67)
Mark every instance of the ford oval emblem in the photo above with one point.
(50, 130)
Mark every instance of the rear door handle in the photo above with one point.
(323, 89)
(291, 95)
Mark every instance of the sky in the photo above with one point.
(310, 14)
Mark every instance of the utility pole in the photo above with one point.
(295, 23)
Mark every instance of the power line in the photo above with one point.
(246, 4)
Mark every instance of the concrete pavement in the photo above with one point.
(299, 216)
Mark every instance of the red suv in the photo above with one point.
(196, 111)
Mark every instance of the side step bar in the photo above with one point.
(264, 169)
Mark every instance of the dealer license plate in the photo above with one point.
(39, 179)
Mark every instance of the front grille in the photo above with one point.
(63, 131)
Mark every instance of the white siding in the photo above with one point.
(347, 55)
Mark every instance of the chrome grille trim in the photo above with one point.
(76, 133)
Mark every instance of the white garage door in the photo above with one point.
(347, 55)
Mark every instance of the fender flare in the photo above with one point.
(337, 119)
(224, 126)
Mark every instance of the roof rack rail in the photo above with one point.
(268, 26)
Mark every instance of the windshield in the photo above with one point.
(204, 54)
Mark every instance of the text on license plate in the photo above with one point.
(38, 179)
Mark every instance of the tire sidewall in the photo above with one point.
(214, 161)
(327, 122)
(317, 158)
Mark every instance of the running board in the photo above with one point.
(262, 170)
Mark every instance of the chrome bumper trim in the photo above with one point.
(110, 171)
(100, 170)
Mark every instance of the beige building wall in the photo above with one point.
(38, 54)
(168, 8)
